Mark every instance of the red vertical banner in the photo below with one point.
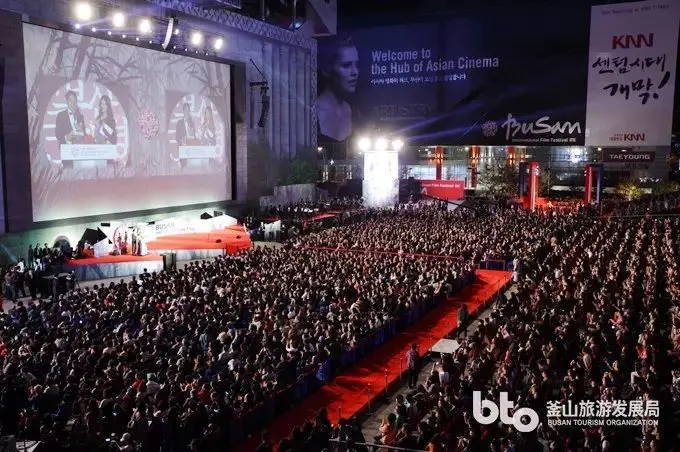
(588, 189)
(474, 161)
(438, 160)
(511, 156)
(532, 196)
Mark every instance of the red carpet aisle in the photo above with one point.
(348, 393)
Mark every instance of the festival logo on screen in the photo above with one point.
(196, 130)
(84, 121)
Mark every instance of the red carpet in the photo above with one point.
(114, 259)
(348, 393)
(233, 239)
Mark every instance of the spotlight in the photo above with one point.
(397, 144)
(137, 38)
(150, 42)
(144, 26)
(118, 19)
(364, 144)
(77, 26)
(196, 38)
(124, 36)
(176, 31)
(381, 144)
(94, 29)
(218, 43)
(108, 33)
(83, 11)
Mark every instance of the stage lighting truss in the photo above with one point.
(165, 32)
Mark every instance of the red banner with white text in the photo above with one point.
(443, 189)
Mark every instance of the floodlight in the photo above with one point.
(83, 11)
(118, 19)
(196, 38)
(397, 144)
(144, 26)
(381, 144)
(364, 144)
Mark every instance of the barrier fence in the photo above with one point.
(251, 422)
(389, 253)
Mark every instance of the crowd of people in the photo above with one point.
(167, 359)
(164, 362)
(595, 320)
(485, 232)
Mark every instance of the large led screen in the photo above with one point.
(120, 128)
(510, 77)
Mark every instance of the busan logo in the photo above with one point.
(517, 419)
(489, 128)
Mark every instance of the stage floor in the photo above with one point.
(231, 240)
(191, 246)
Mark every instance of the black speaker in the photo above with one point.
(265, 109)
(169, 261)
(205, 216)
(105, 225)
(217, 213)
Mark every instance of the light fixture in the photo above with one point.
(176, 31)
(364, 144)
(77, 26)
(137, 38)
(150, 42)
(397, 144)
(94, 29)
(124, 36)
(320, 149)
(381, 144)
(332, 162)
(118, 19)
(144, 26)
(599, 149)
(108, 32)
(83, 11)
(196, 38)
(218, 43)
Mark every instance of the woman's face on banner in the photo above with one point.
(345, 72)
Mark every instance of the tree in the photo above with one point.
(302, 169)
(629, 190)
(544, 182)
(500, 180)
(664, 188)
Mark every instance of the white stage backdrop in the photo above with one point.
(381, 178)
(631, 78)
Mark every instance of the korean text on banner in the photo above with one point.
(631, 78)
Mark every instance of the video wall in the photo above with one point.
(120, 128)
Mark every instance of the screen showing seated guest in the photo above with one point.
(120, 128)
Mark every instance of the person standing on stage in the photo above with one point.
(30, 256)
(412, 365)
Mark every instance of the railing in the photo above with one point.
(391, 253)
(339, 442)
(494, 264)
(251, 422)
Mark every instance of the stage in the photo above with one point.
(113, 266)
(190, 246)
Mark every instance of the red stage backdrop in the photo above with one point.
(443, 189)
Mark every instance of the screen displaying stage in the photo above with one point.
(120, 128)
